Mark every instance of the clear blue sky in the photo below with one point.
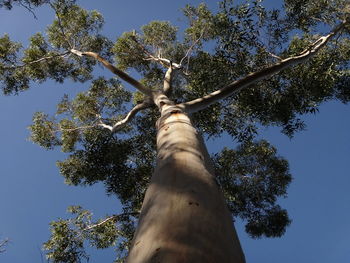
(32, 192)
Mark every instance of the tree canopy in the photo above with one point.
(216, 49)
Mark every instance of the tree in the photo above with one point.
(251, 176)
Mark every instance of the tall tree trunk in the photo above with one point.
(184, 217)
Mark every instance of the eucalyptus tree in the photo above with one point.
(232, 70)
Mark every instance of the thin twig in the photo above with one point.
(3, 243)
(37, 61)
(29, 8)
(61, 26)
(144, 49)
(77, 128)
(113, 217)
(163, 61)
(191, 47)
(274, 56)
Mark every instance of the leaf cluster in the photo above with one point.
(48, 56)
(248, 37)
(307, 14)
(69, 235)
(252, 177)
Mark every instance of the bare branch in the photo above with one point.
(236, 86)
(165, 62)
(3, 244)
(77, 128)
(191, 48)
(120, 124)
(274, 56)
(106, 126)
(144, 49)
(118, 72)
(38, 60)
(29, 8)
(114, 217)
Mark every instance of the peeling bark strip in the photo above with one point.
(236, 86)
(184, 217)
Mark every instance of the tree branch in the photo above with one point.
(236, 86)
(128, 117)
(274, 56)
(60, 25)
(3, 243)
(116, 71)
(163, 61)
(167, 88)
(144, 49)
(38, 60)
(29, 8)
(77, 128)
(114, 217)
(191, 48)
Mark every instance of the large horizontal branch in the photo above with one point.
(128, 117)
(116, 71)
(236, 86)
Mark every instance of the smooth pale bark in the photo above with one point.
(184, 217)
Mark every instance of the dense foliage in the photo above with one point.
(215, 49)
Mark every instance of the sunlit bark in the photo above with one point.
(184, 217)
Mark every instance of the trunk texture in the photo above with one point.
(184, 217)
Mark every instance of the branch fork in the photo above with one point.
(120, 124)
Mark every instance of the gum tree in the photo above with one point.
(231, 71)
